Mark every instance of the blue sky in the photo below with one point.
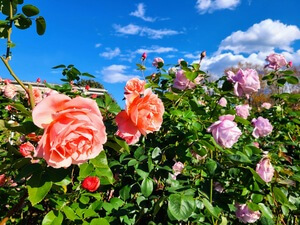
(107, 38)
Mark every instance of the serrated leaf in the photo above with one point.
(40, 25)
(210, 208)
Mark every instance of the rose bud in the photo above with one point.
(91, 183)
(38, 80)
(87, 87)
(203, 55)
(144, 56)
(27, 149)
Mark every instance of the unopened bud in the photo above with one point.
(203, 55)
(144, 56)
(87, 87)
(290, 64)
(38, 80)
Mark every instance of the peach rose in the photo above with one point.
(10, 91)
(142, 116)
(134, 88)
(74, 130)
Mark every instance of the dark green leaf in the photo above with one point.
(30, 10)
(22, 22)
(279, 195)
(40, 25)
(213, 211)
(242, 120)
(211, 166)
(291, 79)
(59, 66)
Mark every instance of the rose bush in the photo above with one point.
(172, 156)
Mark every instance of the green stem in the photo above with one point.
(27, 90)
(9, 30)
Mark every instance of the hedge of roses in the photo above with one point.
(183, 151)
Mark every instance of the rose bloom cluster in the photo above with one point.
(74, 130)
(143, 112)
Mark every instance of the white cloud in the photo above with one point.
(209, 6)
(156, 49)
(264, 36)
(140, 13)
(132, 29)
(97, 45)
(115, 74)
(110, 53)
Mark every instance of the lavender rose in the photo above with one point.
(158, 62)
(262, 127)
(242, 110)
(246, 215)
(276, 61)
(225, 131)
(222, 102)
(265, 169)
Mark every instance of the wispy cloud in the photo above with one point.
(155, 49)
(140, 13)
(210, 6)
(110, 53)
(132, 29)
(264, 36)
(115, 74)
(97, 45)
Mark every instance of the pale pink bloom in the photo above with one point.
(246, 215)
(245, 82)
(2, 179)
(256, 144)
(262, 127)
(197, 156)
(243, 110)
(218, 187)
(266, 105)
(27, 149)
(222, 102)
(7, 81)
(225, 131)
(182, 83)
(74, 130)
(178, 168)
(265, 169)
(276, 61)
(10, 91)
(158, 62)
(134, 88)
(143, 115)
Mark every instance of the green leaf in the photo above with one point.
(99, 221)
(125, 192)
(281, 82)
(257, 198)
(102, 169)
(156, 152)
(266, 221)
(181, 206)
(291, 79)
(242, 120)
(85, 170)
(30, 10)
(256, 176)
(38, 187)
(116, 202)
(2, 125)
(87, 75)
(70, 214)
(53, 218)
(22, 22)
(239, 157)
(265, 211)
(59, 66)
(191, 75)
(142, 173)
(211, 166)
(210, 208)
(40, 25)
(279, 195)
(147, 187)
(227, 86)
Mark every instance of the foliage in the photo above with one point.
(138, 184)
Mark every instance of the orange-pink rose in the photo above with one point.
(74, 130)
(134, 88)
(143, 115)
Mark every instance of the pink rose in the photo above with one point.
(266, 105)
(10, 91)
(245, 82)
(158, 62)
(178, 168)
(48, 92)
(225, 131)
(222, 102)
(246, 215)
(2, 179)
(265, 169)
(74, 130)
(276, 61)
(262, 127)
(143, 115)
(91, 183)
(37, 94)
(27, 149)
(256, 144)
(182, 83)
(243, 110)
(134, 88)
